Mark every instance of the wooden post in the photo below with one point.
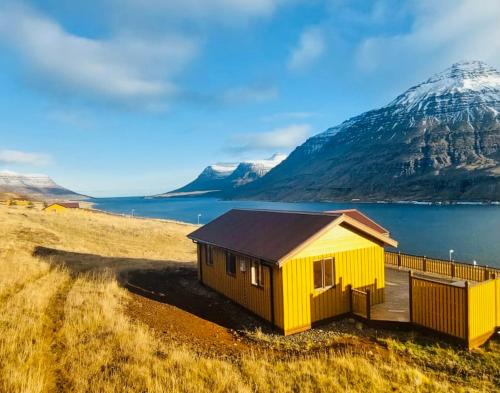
(425, 264)
(497, 306)
(452, 269)
(368, 304)
(200, 262)
(486, 273)
(399, 259)
(466, 313)
(410, 289)
(349, 288)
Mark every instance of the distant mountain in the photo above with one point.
(223, 177)
(439, 140)
(39, 187)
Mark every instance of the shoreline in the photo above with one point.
(123, 215)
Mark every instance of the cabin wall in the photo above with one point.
(239, 287)
(338, 239)
(55, 208)
(362, 268)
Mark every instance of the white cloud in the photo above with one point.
(24, 158)
(310, 48)
(278, 139)
(123, 68)
(249, 94)
(442, 32)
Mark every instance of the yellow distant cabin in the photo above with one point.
(19, 202)
(62, 206)
(293, 269)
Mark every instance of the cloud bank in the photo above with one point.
(309, 49)
(17, 157)
(278, 139)
(442, 32)
(119, 69)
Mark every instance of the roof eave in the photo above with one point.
(385, 239)
(260, 258)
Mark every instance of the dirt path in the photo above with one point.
(55, 312)
(177, 307)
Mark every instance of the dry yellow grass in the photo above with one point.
(64, 328)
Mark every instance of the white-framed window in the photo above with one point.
(256, 272)
(324, 273)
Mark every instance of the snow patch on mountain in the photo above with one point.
(472, 82)
(267, 163)
(34, 185)
(225, 176)
(13, 179)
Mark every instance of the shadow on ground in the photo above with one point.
(167, 282)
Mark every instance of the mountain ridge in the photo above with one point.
(223, 177)
(439, 140)
(34, 186)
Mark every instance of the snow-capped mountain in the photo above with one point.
(222, 177)
(439, 140)
(248, 171)
(34, 186)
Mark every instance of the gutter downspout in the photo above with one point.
(271, 281)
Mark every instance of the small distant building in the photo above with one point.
(291, 268)
(19, 202)
(62, 206)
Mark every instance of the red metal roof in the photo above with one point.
(69, 205)
(360, 217)
(268, 234)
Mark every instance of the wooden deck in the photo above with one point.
(396, 306)
(397, 292)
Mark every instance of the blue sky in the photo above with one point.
(135, 97)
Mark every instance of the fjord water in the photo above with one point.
(472, 231)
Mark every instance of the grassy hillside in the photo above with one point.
(66, 324)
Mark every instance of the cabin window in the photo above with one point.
(324, 273)
(318, 274)
(209, 255)
(231, 264)
(256, 271)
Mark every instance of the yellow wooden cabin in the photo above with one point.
(62, 206)
(293, 269)
(19, 202)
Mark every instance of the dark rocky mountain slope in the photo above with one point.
(439, 140)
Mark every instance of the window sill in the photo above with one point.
(231, 274)
(259, 286)
(323, 289)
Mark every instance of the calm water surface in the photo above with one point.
(473, 231)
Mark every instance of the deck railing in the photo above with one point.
(453, 269)
(467, 311)
(360, 303)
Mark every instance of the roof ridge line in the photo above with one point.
(318, 213)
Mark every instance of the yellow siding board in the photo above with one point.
(337, 239)
(482, 297)
(304, 305)
(239, 287)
